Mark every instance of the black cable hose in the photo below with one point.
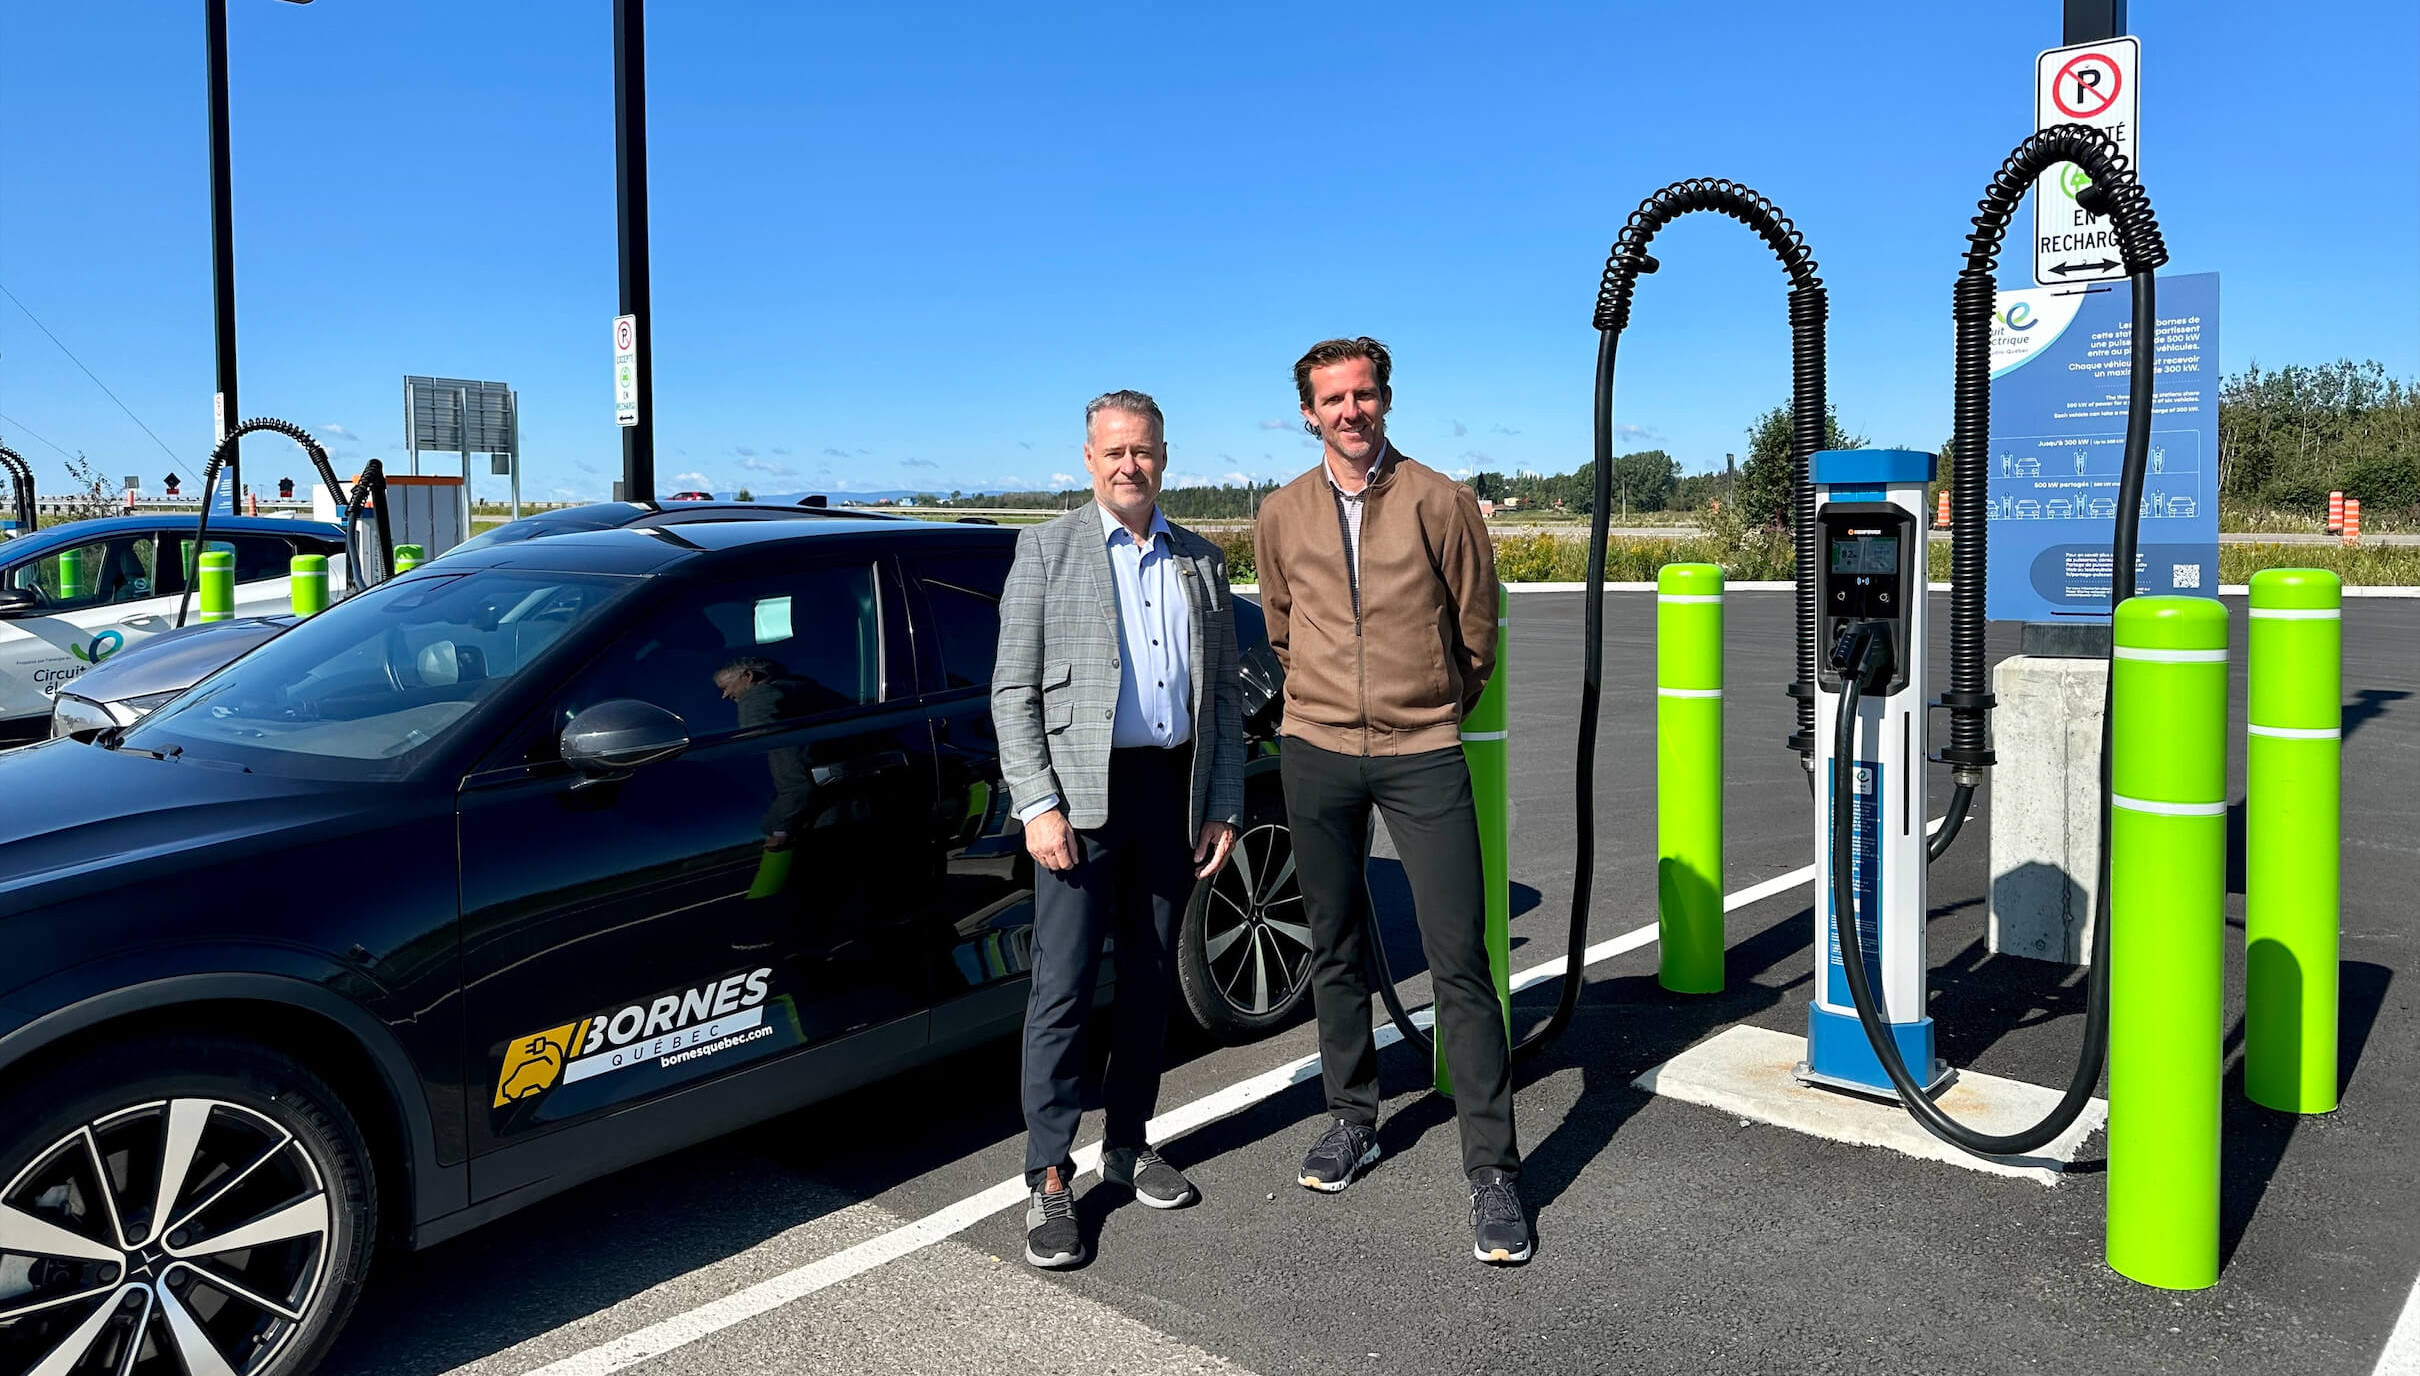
(1961, 799)
(21, 489)
(371, 487)
(1627, 262)
(2095, 1053)
(225, 450)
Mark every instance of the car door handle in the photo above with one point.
(863, 767)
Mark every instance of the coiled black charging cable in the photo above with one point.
(371, 487)
(1809, 308)
(2116, 194)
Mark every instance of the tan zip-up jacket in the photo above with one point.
(1391, 662)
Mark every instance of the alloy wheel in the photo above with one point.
(183, 1236)
(1255, 932)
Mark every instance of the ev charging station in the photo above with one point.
(1870, 583)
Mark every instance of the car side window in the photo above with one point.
(99, 573)
(734, 655)
(962, 593)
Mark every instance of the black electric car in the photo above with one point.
(524, 867)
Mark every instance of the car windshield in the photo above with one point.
(369, 688)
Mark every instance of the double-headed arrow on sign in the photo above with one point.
(2064, 268)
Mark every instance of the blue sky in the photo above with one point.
(899, 247)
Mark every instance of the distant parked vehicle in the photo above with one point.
(77, 594)
(693, 496)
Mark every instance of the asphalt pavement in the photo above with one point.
(1671, 1237)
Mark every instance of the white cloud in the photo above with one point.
(745, 452)
(693, 479)
(831, 453)
(1188, 480)
(773, 469)
(1459, 428)
(918, 463)
(1635, 432)
(1276, 425)
(1062, 479)
(339, 432)
(1499, 428)
(1245, 480)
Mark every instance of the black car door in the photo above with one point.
(625, 937)
(983, 921)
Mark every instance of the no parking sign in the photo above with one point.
(2096, 85)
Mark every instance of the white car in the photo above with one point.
(75, 594)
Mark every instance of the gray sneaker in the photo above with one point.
(1343, 1151)
(1148, 1174)
(1499, 1225)
(1052, 1236)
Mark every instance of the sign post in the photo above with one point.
(2098, 86)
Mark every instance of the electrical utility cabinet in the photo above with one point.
(422, 509)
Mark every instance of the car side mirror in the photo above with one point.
(19, 601)
(619, 735)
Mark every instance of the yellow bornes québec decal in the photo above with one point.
(533, 1063)
(638, 1034)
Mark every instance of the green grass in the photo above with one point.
(1766, 557)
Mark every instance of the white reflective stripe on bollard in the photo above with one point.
(2159, 809)
(2171, 656)
(2299, 733)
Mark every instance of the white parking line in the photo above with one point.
(2402, 1354)
(680, 1330)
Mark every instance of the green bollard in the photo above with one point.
(309, 580)
(408, 558)
(1689, 777)
(2291, 817)
(214, 595)
(2167, 910)
(1487, 749)
(75, 573)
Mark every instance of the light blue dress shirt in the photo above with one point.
(1155, 644)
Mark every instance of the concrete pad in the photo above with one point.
(1748, 1071)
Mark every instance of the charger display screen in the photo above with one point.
(1865, 554)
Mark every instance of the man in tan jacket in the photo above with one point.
(1379, 585)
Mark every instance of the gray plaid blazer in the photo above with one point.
(1055, 690)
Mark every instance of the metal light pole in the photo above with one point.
(630, 181)
(225, 412)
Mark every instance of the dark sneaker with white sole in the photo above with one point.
(1499, 1227)
(1052, 1236)
(1148, 1174)
(1342, 1152)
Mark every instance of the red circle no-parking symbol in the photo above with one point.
(2087, 85)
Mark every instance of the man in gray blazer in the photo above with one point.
(1122, 745)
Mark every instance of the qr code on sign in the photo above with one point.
(2185, 575)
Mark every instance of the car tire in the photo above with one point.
(264, 1154)
(1243, 960)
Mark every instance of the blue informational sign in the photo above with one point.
(2060, 357)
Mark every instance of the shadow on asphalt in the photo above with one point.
(2367, 706)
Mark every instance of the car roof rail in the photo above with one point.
(814, 499)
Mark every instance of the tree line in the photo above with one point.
(2286, 438)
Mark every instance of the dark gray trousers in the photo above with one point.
(1131, 881)
(1426, 799)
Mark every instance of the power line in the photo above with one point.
(96, 381)
(15, 425)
